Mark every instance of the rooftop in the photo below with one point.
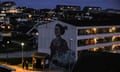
(98, 19)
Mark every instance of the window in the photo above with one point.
(103, 30)
(113, 29)
(86, 31)
(84, 42)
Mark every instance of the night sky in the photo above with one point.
(115, 4)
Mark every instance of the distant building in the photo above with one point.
(47, 13)
(112, 11)
(92, 9)
(22, 17)
(75, 15)
(72, 14)
(9, 7)
(60, 9)
(2, 18)
(67, 8)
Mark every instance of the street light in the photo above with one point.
(22, 45)
(70, 55)
(7, 43)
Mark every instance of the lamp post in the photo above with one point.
(8, 42)
(22, 45)
(70, 54)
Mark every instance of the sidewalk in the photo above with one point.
(20, 69)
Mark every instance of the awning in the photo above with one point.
(40, 55)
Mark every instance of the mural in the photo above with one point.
(61, 54)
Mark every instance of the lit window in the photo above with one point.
(9, 27)
(88, 31)
(95, 40)
(92, 41)
(93, 31)
(61, 8)
(113, 47)
(90, 8)
(113, 29)
(2, 11)
(68, 7)
(93, 49)
(113, 38)
(3, 27)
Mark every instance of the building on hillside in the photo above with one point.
(80, 36)
(9, 7)
(2, 18)
(112, 11)
(92, 9)
(67, 8)
(64, 39)
(60, 9)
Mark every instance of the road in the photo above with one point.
(20, 69)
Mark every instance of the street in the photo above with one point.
(20, 69)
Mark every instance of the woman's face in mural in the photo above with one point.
(57, 31)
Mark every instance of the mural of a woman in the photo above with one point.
(59, 47)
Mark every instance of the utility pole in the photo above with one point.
(0, 4)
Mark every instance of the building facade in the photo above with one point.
(103, 37)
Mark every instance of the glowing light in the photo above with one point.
(30, 16)
(95, 40)
(37, 33)
(22, 44)
(112, 29)
(3, 27)
(9, 27)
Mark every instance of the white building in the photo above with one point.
(80, 37)
(10, 7)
